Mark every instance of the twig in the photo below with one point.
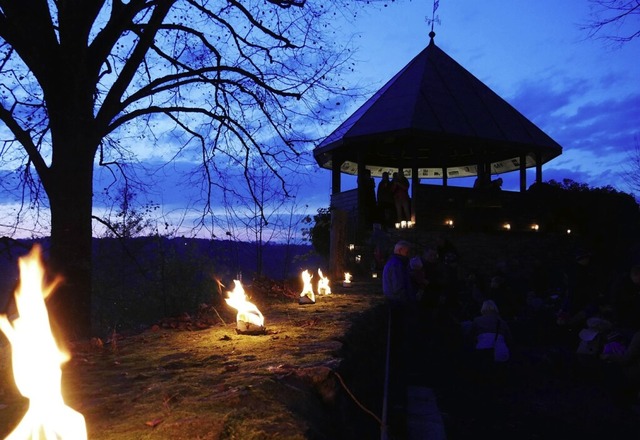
(219, 317)
(365, 409)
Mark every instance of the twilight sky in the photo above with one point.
(583, 92)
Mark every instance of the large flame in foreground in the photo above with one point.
(247, 311)
(37, 359)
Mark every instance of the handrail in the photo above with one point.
(384, 432)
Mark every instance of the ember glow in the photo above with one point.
(323, 284)
(307, 294)
(247, 311)
(37, 361)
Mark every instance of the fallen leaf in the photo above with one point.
(153, 423)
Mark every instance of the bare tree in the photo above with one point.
(292, 222)
(254, 211)
(614, 20)
(631, 170)
(192, 78)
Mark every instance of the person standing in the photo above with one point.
(386, 207)
(367, 198)
(396, 276)
(585, 285)
(398, 291)
(401, 200)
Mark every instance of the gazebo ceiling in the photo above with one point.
(436, 115)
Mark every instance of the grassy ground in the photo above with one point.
(210, 383)
(182, 380)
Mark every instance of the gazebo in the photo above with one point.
(433, 120)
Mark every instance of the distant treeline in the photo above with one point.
(139, 280)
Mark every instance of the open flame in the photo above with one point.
(307, 296)
(323, 284)
(37, 360)
(347, 280)
(247, 311)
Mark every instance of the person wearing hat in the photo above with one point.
(584, 290)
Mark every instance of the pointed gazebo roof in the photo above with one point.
(437, 116)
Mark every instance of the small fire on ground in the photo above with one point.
(347, 280)
(323, 284)
(37, 360)
(249, 319)
(307, 296)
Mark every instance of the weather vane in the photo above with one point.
(434, 18)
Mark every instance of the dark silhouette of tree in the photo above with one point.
(202, 79)
(256, 211)
(632, 168)
(320, 232)
(603, 218)
(614, 20)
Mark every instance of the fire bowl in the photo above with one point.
(248, 328)
(305, 300)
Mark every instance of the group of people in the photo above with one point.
(389, 202)
(431, 295)
(423, 290)
(605, 313)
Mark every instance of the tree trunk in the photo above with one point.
(70, 194)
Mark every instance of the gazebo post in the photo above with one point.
(363, 224)
(481, 174)
(523, 172)
(336, 164)
(415, 181)
(538, 167)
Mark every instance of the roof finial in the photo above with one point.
(434, 19)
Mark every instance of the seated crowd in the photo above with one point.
(591, 313)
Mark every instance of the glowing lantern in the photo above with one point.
(323, 284)
(347, 280)
(307, 296)
(249, 320)
(37, 361)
